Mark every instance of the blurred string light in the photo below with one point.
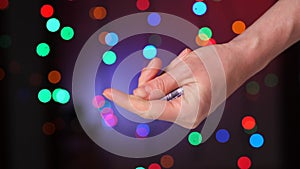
(205, 33)
(271, 80)
(98, 101)
(244, 162)
(111, 39)
(252, 88)
(109, 57)
(238, 27)
(4, 4)
(248, 122)
(195, 138)
(142, 5)
(5, 41)
(44, 95)
(47, 11)
(256, 140)
(149, 51)
(2, 73)
(101, 38)
(98, 12)
(199, 8)
(53, 24)
(154, 166)
(222, 135)
(167, 161)
(142, 130)
(140, 168)
(61, 96)
(155, 40)
(54, 76)
(154, 19)
(106, 112)
(48, 128)
(43, 49)
(67, 33)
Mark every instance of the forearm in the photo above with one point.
(266, 38)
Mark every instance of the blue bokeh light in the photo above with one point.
(256, 140)
(143, 130)
(222, 135)
(154, 19)
(199, 8)
(111, 39)
(149, 51)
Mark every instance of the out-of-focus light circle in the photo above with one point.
(61, 96)
(252, 88)
(248, 122)
(199, 8)
(244, 162)
(154, 19)
(107, 104)
(201, 42)
(140, 168)
(154, 166)
(256, 140)
(205, 31)
(149, 51)
(67, 33)
(142, 4)
(48, 128)
(195, 138)
(167, 161)
(155, 40)
(222, 135)
(238, 27)
(47, 11)
(54, 77)
(2, 73)
(271, 80)
(142, 130)
(98, 101)
(111, 39)
(43, 49)
(53, 25)
(101, 38)
(106, 111)
(4, 4)
(98, 12)
(5, 41)
(44, 95)
(110, 120)
(109, 57)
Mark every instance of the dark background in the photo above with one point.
(24, 145)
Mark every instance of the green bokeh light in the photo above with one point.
(205, 31)
(43, 49)
(53, 24)
(5, 41)
(109, 57)
(139, 168)
(195, 138)
(252, 88)
(61, 96)
(271, 80)
(44, 95)
(67, 33)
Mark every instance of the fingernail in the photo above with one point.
(107, 94)
(141, 92)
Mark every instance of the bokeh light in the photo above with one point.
(53, 24)
(256, 140)
(155, 40)
(142, 4)
(142, 130)
(109, 57)
(167, 161)
(271, 80)
(110, 120)
(48, 128)
(149, 51)
(98, 12)
(154, 19)
(238, 27)
(67, 33)
(252, 88)
(154, 166)
(253, 130)
(244, 162)
(140, 168)
(111, 39)
(98, 101)
(4, 4)
(248, 122)
(5, 41)
(43, 49)
(47, 11)
(106, 111)
(44, 95)
(199, 8)
(2, 73)
(195, 138)
(101, 38)
(54, 76)
(205, 33)
(222, 135)
(201, 42)
(61, 96)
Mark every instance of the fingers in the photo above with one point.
(156, 109)
(179, 58)
(150, 72)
